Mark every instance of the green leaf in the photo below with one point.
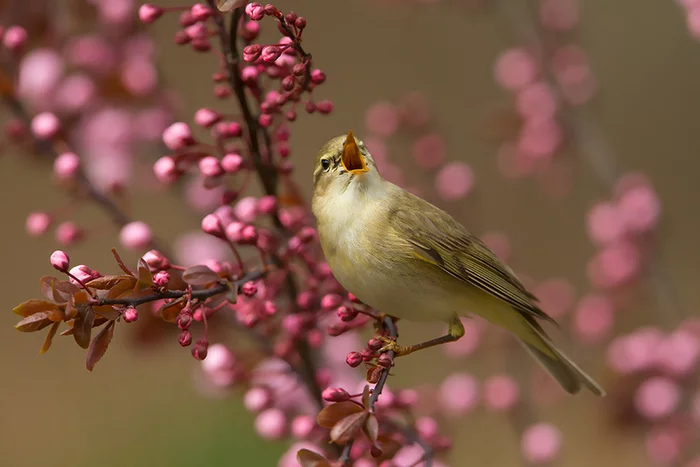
(99, 345)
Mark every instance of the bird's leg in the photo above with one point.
(379, 322)
(454, 332)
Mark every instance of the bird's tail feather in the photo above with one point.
(561, 367)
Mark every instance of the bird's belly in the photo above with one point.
(395, 295)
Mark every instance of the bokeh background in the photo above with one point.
(141, 406)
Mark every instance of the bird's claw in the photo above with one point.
(392, 346)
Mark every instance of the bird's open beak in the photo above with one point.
(352, 158)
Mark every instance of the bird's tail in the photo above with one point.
(561, 367)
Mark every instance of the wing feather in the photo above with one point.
(441, 240)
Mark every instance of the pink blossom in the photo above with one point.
(219, 365)
(302, 426)
(232, 162)
(14, 38)
(202, 198)
(74, 93)
(556, 296)
(93, 53)
(429, 151)
(68, 233)
(634, 352)
(195, 248)
(605, 223)
(139, 76)
(165, 170)
(640, 208)
(206, 117)
(257, 399)
(593, 318)
(178, 136)
(500, 392)
(559, 15)
(454, 181)
(148, 13)
(541, 443)
(45, 125)
(136, 235)
(536, 101)
(414, 108)
(382, 118)
(693, 21)
(66, 166)
(679, 352)
(459, 394)
(246, 209)
(130, 315)
(615, 265)
(60, 261)
(657, 397)
(37, 223)
(664, 444)
(539, 139)
(83, 273)
(515, 69)
(39, 74)
(209, 166)
(116, 11)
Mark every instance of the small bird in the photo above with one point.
(410, 260)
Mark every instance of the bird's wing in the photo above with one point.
(439, 239)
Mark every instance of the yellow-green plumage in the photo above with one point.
(407, 258)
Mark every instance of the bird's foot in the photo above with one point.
(392, 346)
(379, 322)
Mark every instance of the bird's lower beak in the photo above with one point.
(352, 158)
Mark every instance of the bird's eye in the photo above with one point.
(325, 164)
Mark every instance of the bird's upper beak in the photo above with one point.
(352, 158)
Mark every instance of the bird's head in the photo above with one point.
(343, 162)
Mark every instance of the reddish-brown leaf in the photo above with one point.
(82, 327)
(99, 321)
(66, 289)
(390, 447)
(99, 345)
(121, 288)
(349, 427)
(71, 311)
(49, 337)
(199, 275)
(145, 278)
(69, 331)
(107, 282)
(30, 307)
(35, 322)
(80, 297)
(307, 458)
(365, 396)
(107, 311)
(371, 428)
(332, 414)
(48, 288)
(170, 311)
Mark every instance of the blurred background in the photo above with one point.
(141, 406)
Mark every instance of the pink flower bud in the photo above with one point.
(212, 225)
(201, 44)
(68, 233)
(251, 30)
(353, 359)
(249, 235)
(178, 136)
(249, 289)
(657, 397)
(136, 235)
(257, 399)
(161, 278)
(185, 338)
(130, 315)
(324, 106)
(200, 350)
(246, 209)
(66, 166)
(540, 443)
(271, 424)
(148, 13)
(459, 394)
(255, 11)
(605, 223)
(270, 53)
(14, 38)
(37, 223)
(45, 125)
(347, 313)
(60, 261)
(165, 170)
(209, 166)
(232, 163)
(250, 74)
(454, 181)
(427, 428)
(265, 120)
(83, 273)
(200, 12)
(228, 130)
(306, 300)
(331, 301)
(206, 117)
(500, 392)
(335, 394)
(234, 231)
(252, 52)
(303, 425)
(384, 360)
(156, 261)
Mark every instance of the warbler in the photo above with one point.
(410, 260)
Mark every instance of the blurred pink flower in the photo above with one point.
(614, 265)
(640, 208)
(636, 351)
(556, 296)
(459, 394)
(195, 248)
(536, 101)
(382, 118)
(593, 318)
(39, 73)
(657, 397)
(454, 181)
(605, 223)
(500, 392)
(499, 243)
(540, 443)
(271, 424)
(515, 69)
(429, 151)
(663, 445)
(559, 15)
